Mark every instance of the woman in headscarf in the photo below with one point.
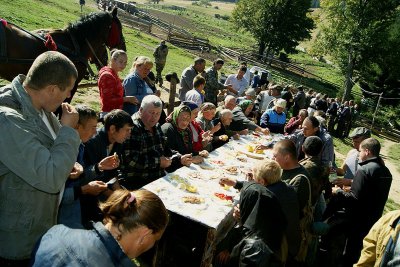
(240, 122)
(200, 137)
(263, 226)
(179, 136)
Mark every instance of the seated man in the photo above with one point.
(222, 136)
(102, 154)
(146, 156)
(229, 103)
(275, 118)
(69, 212)
(294, 124)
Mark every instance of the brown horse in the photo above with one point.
(82, 41)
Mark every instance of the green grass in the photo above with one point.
(391, 205)
(394, 155)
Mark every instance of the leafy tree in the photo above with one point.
(275, 24)
(358, 34)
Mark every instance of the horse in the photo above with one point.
(83, 41)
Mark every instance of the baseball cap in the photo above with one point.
(280, 103)
(360, 131)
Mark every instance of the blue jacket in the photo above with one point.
(273, 120)
(63, 246)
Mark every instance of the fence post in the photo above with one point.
(172, 91)
(376, 110)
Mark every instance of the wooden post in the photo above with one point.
(172, 91)
(376, 110)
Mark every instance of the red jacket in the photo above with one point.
(111, 90)
(197, 146)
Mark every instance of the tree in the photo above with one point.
(356, 34)
(275, 24)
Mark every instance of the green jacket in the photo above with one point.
(33, 169)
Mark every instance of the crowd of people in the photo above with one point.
(288, 207)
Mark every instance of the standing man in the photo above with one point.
(350, 164)
(37, 153)
(238, 82)
(146, 156)
(213, 85)
(299, 101)
(311, 127)
(188, 75)
(365, 201)
(160, 58)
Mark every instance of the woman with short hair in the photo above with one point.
(135, 83)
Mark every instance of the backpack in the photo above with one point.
(305, 224)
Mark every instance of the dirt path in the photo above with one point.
(394, 193)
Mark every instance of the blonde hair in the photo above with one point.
(116, 53)
(267, 170)
(139, 61)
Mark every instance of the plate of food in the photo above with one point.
(223, 199)
(192, 199)
(251, 152)
(205, 165)
(195, 174)
(232, 170)
(182, 183)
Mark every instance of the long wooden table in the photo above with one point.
(233, 160)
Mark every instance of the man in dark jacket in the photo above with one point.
(299, 100)
(366, 199)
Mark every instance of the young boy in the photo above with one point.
(196, 95)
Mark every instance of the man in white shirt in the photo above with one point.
(238, 82)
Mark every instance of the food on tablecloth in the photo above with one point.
(206, 166)
(218, 162)
(192, 199)
(249, 148)
(191, 188)
(232, 169)
(183, 183)
(259, 151)
(223, 137)
(195, 174)
(223, 196)
(241, 158)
